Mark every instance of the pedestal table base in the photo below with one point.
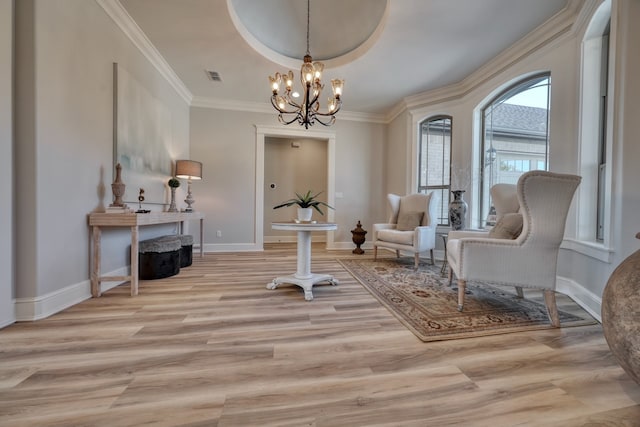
(306, 284)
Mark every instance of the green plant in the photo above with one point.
(305, 201)
(174, 183)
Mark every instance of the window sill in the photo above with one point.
(591, 249)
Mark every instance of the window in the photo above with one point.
(515, 137)
(602, 134)
(434, 162)
(595, 136)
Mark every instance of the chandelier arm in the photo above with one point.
(291, 103)
(282, 120)
(332, 113)
(331, 121)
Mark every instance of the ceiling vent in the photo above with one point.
(213, 75)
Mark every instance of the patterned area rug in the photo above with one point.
(424, 303)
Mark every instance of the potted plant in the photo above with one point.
(305, 204)
(173, 184)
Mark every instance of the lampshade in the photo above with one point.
(188, 169)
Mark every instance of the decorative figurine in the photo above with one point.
(358, 238)
(140, 200)
(118, 188)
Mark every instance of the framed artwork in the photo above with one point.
(142, 139)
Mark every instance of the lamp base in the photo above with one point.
(189, 200)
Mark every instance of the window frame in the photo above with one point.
(444, 188)
(517, 87)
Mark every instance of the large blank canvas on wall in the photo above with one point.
(143, 134)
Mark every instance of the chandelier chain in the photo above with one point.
(308, 13)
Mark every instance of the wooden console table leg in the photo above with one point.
(201, 237)
(134, 260)
(95, 272)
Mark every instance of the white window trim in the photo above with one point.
(586, 242)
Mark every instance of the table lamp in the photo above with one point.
(189, 169)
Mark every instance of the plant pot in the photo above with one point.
(305, 214)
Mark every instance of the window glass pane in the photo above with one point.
(515, 136)
(434, 163)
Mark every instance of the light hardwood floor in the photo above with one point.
(213, 347)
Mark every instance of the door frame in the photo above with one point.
(264, 131)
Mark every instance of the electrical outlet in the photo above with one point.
(219, 233)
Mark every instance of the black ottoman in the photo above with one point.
(186, 249)
(186, 253)
(159, 258)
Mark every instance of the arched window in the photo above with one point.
(515, 135)
(434, 161)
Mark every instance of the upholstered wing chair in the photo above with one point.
(526, 258)
(411, 226)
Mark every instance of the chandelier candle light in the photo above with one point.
(189, 169)
(307, 112)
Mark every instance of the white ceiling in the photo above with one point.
(414, 45)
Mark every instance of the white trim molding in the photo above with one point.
(263, 131)
(558, 26)
(591, 249)
(40, 307)
(232, 247)
(267, 108)
(125, 22)
(586, 299)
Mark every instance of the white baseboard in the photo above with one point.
(586, 299)
(292, 239)
(40, 307)
(228, 247)
(10, 317)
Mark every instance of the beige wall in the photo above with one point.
(225, 141)
(7, 314)
(64, 140)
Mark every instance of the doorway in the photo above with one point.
(263, 133)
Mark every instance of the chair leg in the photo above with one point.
(450, 276)
(375, 253)
(397, 254)
(416, 262)
(519, 292)
(433, 260)
(462, 284)
(552, 308)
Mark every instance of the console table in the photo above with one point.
(303, 276)
(97, 221)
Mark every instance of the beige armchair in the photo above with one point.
(411, 226)
(528, 259)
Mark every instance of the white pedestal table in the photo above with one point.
(303, 276)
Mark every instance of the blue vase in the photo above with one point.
(458, 211)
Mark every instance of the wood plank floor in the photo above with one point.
(213, 347)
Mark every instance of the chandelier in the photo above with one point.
(307, 111)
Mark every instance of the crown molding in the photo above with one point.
(585, 15)
(121, 17)
(226, 104)
(558, 26)
(258, 107)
